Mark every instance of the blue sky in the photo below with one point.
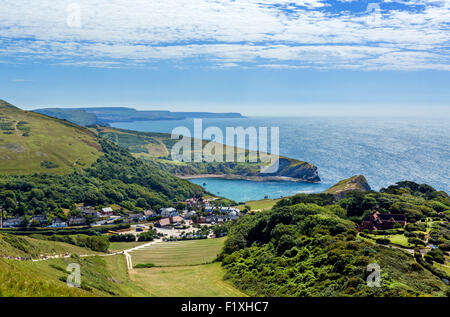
(266, 57)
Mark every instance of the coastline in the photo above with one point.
(248, 178)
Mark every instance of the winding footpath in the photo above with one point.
(68, 255)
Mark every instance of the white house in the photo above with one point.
(168, 212)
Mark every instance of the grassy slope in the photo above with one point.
(185, 281)
(180, 253)
(108, 275)
(100, 275)
(15, 246)
(17, 280)
(50, 139)
(357, 182)
(181, 270)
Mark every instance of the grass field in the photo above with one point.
(179, 253)
(121, 246)
(181, 271)
(265, 204)
(185, 281)
(400, 239)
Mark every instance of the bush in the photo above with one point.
(144, 266)
(49, 164)
(383, 241)
(416, 241)
(437, 256)
(147, 236)
(122, 238)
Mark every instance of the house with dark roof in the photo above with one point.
(76, 221)
(378, 221)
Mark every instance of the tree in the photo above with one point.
(180, 206)
(25, 221)
(141, 203)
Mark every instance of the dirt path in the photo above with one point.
(67, 255)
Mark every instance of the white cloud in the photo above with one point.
(240, 33)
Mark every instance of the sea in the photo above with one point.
(385, 150)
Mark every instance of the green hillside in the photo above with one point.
(308, 245)
(100, 276)
(108, 275)
(59, 164)
(32, 142)
(156, 148)
(17, 246)
(342, 188)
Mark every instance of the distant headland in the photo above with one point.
(107, 115)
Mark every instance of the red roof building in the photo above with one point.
(378, 221)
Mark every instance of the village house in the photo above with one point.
(108, 211)
(188, 214)
(114, 219)
(378, 221)
(202, 219)
(88, 211)
(58, 223)
(12, 222)
(192, 202)
(76, 221)
(163, 223)
(168, 212)
(176, 220)
(149, 214)
(136, 217)
(99, 223)
(42, 219)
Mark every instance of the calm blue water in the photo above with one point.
(243, 190)
(385, 150)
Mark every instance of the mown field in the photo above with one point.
(121, 246)
(181, 270)
(185, 281)
(179, 253)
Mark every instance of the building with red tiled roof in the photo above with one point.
(378, 221)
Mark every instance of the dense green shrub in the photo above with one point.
(383, 241)
(122, 238)
(147, 236)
